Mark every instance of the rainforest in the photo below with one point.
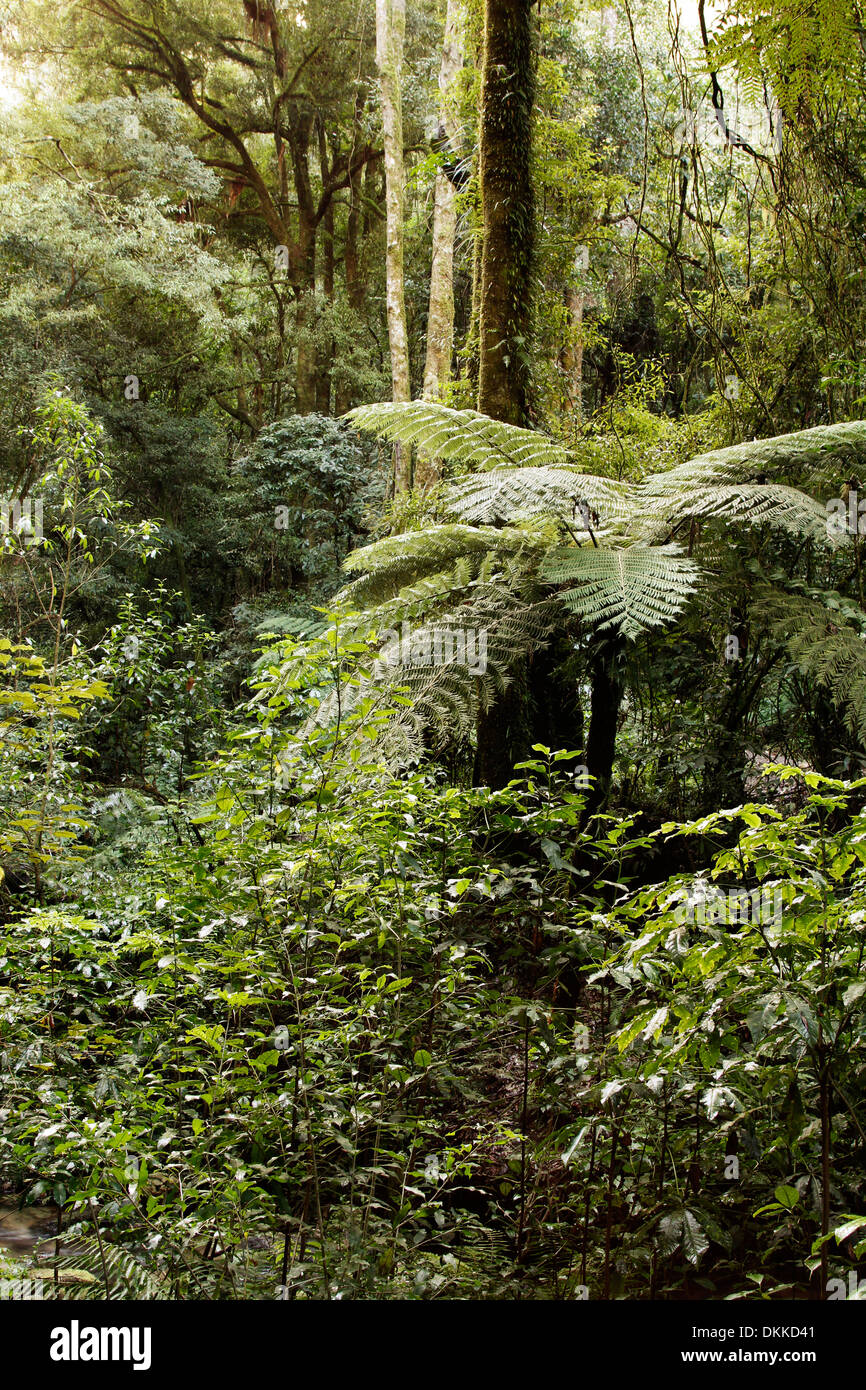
(432, 653)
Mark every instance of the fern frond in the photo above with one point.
(107, 1270)
(392, 562)
(765, 504)
(629, 590)
(446, 693)
(463, 437)
(442, 541)
(825, 448)
(292, 625)
(509, 493)
(827, 650)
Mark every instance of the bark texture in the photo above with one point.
(505, 319)
(508, 211)
(390, 33)
(440, 318)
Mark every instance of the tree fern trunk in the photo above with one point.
(508, 215)
(503, 734)
(605, 702)
(556, 714)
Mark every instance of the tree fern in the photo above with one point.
(491, 562)
(829, 449)
(826, 650)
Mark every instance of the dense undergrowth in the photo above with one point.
(316, 1030)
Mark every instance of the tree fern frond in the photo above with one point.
(447, 682)
(416, 601)
(111, 1271)
(391, 562)
(628, 590)
(509, 493)
(292, 625)
(461, 436)
(826, 649)
(824, 448)
(765, 504)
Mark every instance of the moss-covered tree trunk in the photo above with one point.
(505, 319)
(440, 317)
(390, 33)
(508, 211)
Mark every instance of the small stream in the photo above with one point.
(27, 1249)
(23, 1228)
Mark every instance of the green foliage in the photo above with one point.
(39, 709)
(627, 590)
(436, 936)
(302, 497)
(825, 648)
(463, 437)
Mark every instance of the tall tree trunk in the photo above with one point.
(354, 284)
(343, 396)
(390, 32)
(302, 265)
(508, 211)
(373, 198)
(323, 366)
(440, 318)
(573, 355)
(505, 321)
(306, 365)
(469, 350)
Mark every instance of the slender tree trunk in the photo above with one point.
(373, 199)
(302, 267)
(351, 265)
(323, 366)
(351, 258)
(390, 31)
(469, 351)
(305, 350)
(508, 211)
(508, 216)
(440, 318)
(573, 357)
(354, 285)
